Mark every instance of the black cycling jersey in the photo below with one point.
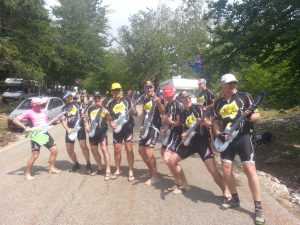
(205, 98)
(174, 109)
(117, 107)
(72, 114)
(228, 111)
(148, 104)
(98, 115)
(190, 116)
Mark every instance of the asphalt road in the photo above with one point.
(79, 199)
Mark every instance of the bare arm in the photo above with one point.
(87, 124)
(19, 123)
(254, 117)
(65, 125)
(161, 107)
(216, 125)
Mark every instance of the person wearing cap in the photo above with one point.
(170, 120)
(96, 126)
(38, 118)
(228, 109)
(172, 128)
(152, 108)
(72, 116)
(205, 98)
(118, 106)
(192, 116)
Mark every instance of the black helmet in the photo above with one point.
(97, 94)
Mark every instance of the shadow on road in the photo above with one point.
(195, 194)
(36, 170)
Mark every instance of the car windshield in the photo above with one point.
(26, 104)
(14, 88)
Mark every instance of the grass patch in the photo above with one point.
(3, 124)
(273, 114)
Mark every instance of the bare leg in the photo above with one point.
(71, 152)
(52, 159)
(85, 151)
(228, 177)
(97, 156)
(179, 176)
(162, 153)
(144, 156)
(106, 156)
(152, 161)
(118, 157)
(130, 158)
(176, 169)
(212, 169)
(33, 158)
(250, 171)
(167, 155)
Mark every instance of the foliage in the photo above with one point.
(82, 27)
(25, 39)
(161, 43)
(260, 41)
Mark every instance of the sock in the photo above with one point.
(257, 204)
(235, 197)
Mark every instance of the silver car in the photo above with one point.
(53, 107)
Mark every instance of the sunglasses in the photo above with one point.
(148, 87)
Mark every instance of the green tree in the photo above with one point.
(160, 43)
(26, 48)
(260, 36)
(147, 44)
(82, 26)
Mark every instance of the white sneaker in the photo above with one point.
(177, 191)
(152, 181)
(29, 177)
(54, 171)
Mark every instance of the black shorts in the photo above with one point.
(241, 145)
(151, 138)
(199, 144)
(125, 135)
(173, 141)
(100, 137)
(80, 136)
(36, 147)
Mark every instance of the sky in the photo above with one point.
(121, 10)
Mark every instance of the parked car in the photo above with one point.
(16, 89)
(53, 107)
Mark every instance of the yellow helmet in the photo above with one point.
(115, 86)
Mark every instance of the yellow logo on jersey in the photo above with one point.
(148, 106)
(229, 110)
(119, 108)
(103, 113)
(94, 113)
(201, 100)
(228, 126)
(190, 120)
(73, 111)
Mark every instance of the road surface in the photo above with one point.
(80, 199)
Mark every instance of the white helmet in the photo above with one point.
(228, 78)
(37, 101)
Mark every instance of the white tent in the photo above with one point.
(180, 84)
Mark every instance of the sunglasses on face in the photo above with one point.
(148, 87)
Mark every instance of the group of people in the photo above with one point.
(183, 128)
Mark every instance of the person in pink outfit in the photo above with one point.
(38, 118)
